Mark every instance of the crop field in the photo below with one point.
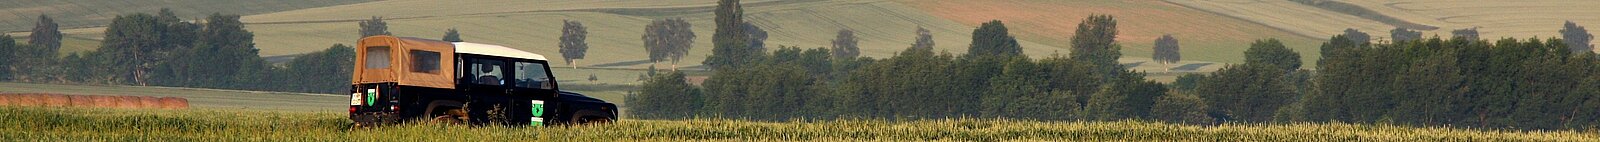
(612, 86)
(50, 124)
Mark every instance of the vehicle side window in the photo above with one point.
(485, 72)
(533, 75)
(424, 61)
(378, 57)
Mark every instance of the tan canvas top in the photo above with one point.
(410, 62)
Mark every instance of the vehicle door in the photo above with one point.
(485, 80)
(534, 82)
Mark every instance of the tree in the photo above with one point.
(666, 96)
(1356, 36)
(452, 35)
(993, 39)
(573, 44)
(1126, 99)
(1166, 50)
(326, 71)
(758, 37)
(46, 34)
(374, 26)
(1468, 33)
(1428, 91)
(730, 48)
(1181, 108)
(1403, 34)
(924, 39)
(668, 40)
(8, 57)
(1577, 38)
(1095, 42)
(844, 45)
(1271, 52)
(1247, 93)
(133, 39)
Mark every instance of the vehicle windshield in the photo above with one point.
(533, 75)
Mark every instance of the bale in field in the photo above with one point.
(29, 100)
(127, 102)
(81, 101)
(102, 101)
(54, 100)
(149, 102)
(174, 103)
(5, 99)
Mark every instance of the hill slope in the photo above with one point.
(1495, 19)
(1202, 36)
(20, 15)
(885, 27)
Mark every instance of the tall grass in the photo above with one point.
(52, 124)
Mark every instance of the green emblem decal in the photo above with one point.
(537, 108)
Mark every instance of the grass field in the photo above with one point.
(42, 124)
(1495, 19)
(885, 27)
(20, 15)
(1203, 36)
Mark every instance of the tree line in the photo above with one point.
(1458, 82)
(163, 50)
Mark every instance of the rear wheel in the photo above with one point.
(449, 116)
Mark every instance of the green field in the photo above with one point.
(42, 124)
(884, 26)
(20, 15)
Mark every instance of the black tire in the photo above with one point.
(585, 117)
(449, 112)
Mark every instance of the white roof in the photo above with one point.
(494, 50)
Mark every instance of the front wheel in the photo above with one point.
(591, 117)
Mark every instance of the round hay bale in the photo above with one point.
(149, 102)
(174, 103)
(103, 101)
(5, 99)
(81, 101)
(29, 100)
(127, 101)
(54, 100)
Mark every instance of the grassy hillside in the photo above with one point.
(37, 124)
(20, 15)
(1203, 36)
(1521, 19)
(1495, 19)
(885, 27)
